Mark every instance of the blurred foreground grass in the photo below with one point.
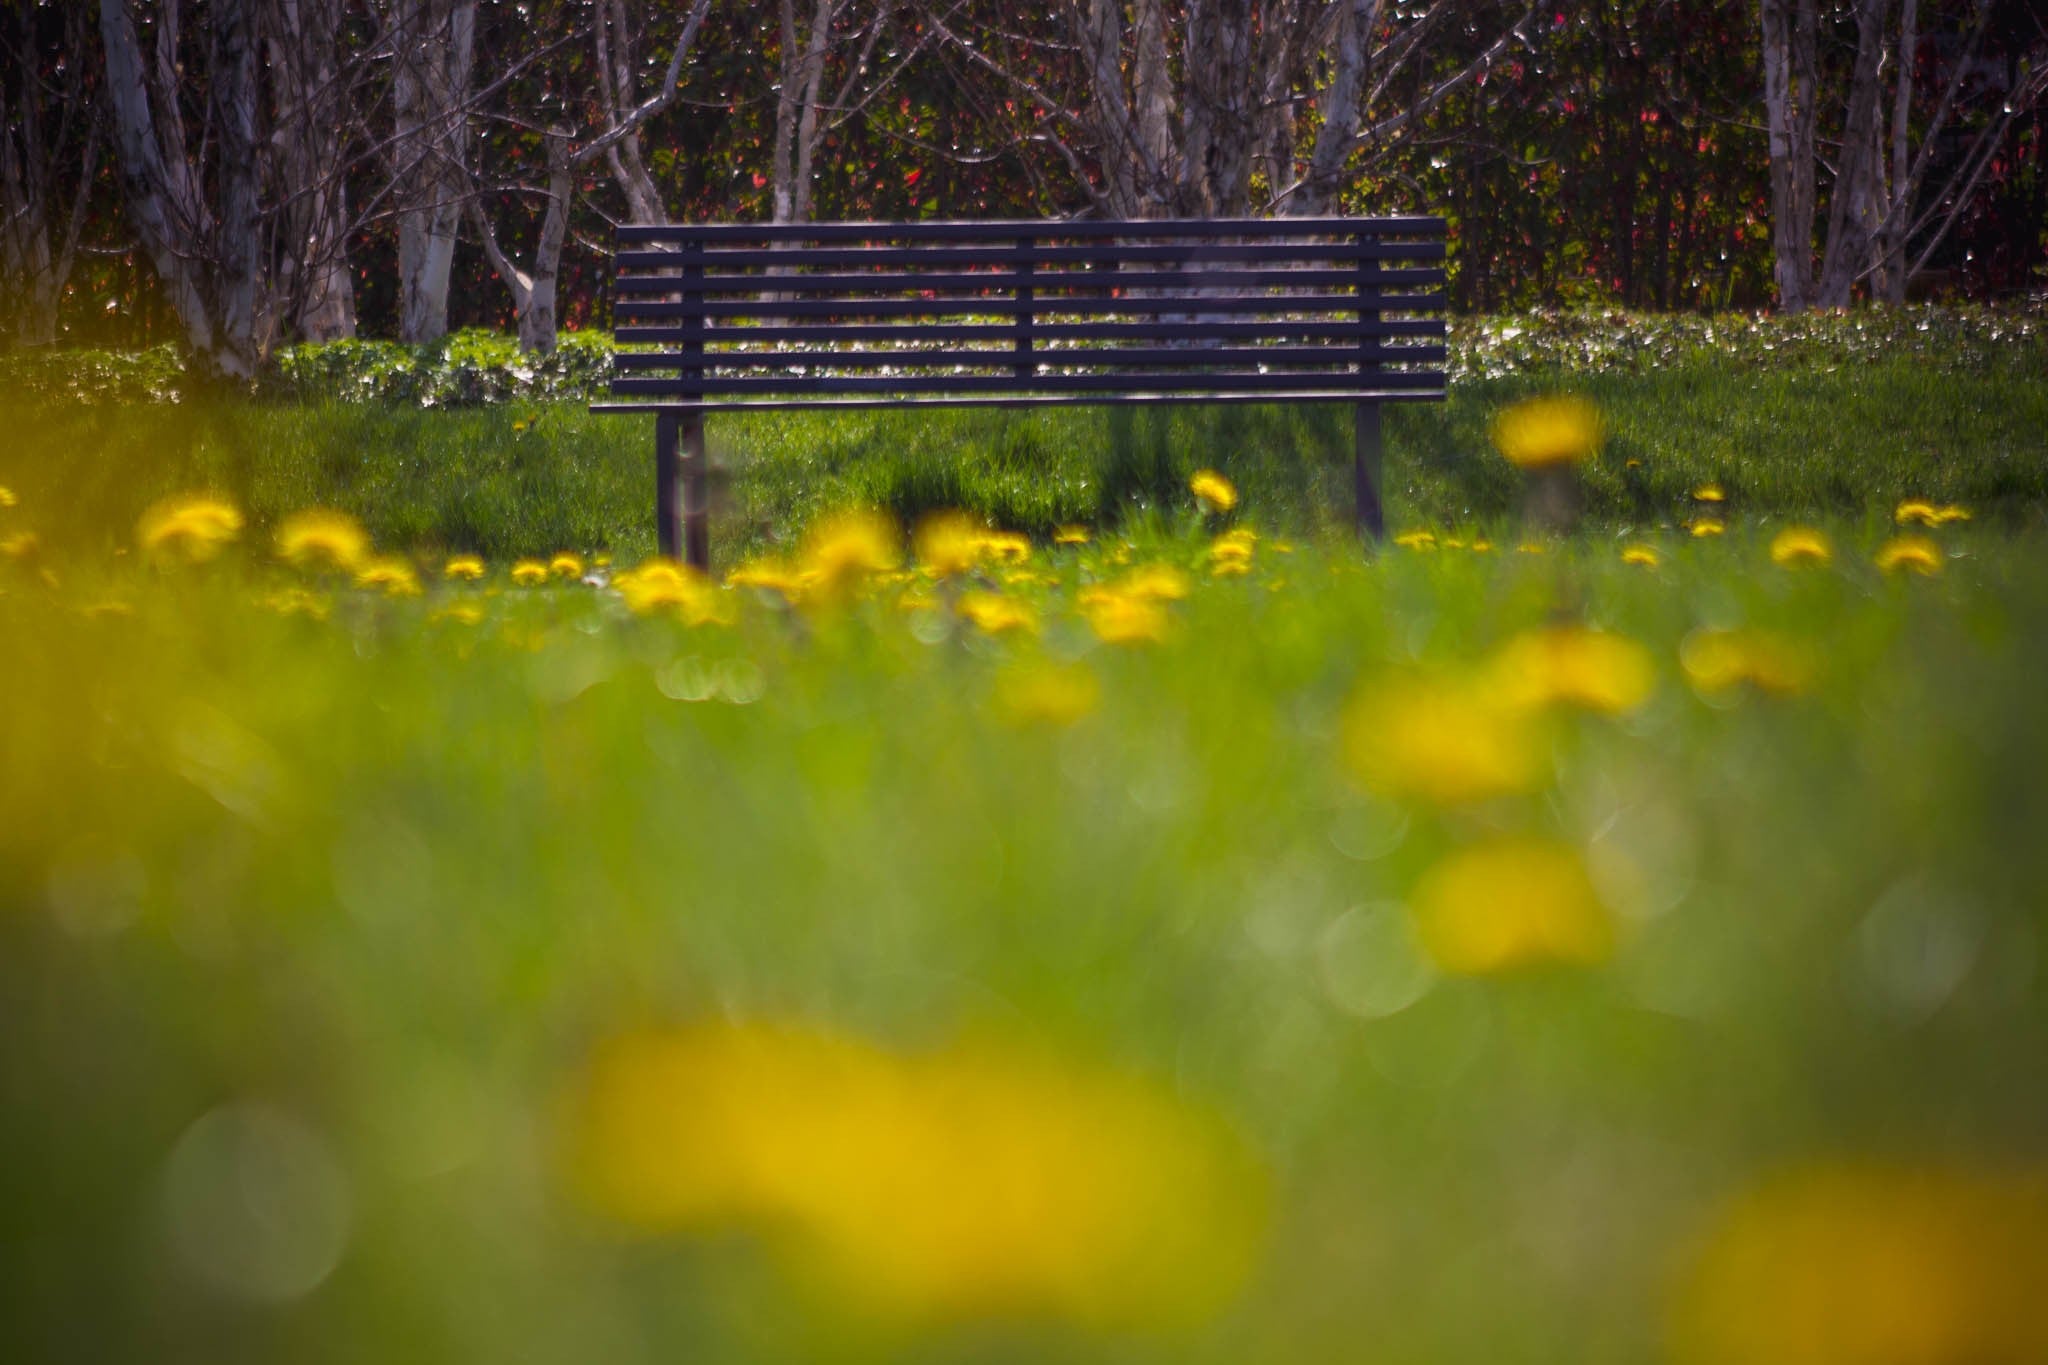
(1186, 947)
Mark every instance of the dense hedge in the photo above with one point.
(475, 368)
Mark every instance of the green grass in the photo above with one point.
(322, 931)
(392, 875)
(1824, 431)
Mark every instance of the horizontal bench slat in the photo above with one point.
(1048, 283)
(1326, 304)
(1279, 357)
(731, 334)
(1101, 253)
(1010, 229)
(1228, 382)
(1116, 400)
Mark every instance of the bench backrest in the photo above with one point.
(1021, 313)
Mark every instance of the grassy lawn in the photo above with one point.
(1187, 945)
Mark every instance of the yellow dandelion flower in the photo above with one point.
(1796, 546)
(461, 613)
(1154, 583)
(1046, 694)
(996, 614)
(1481, 546)
(468, 567)
(319, 538)
(1709, 492)
(1641, 555)
(391, 575)
(1008, 547)
(529, 573)
(7, 498)
(973, 1181)
(769, 574)
(949, 544)
(297, 601)
(566, 565)
(1511, 904)
(1949, 512)
(841, 552)
(191, 528)
(1444, 743)
(1877, 1263)
(1573, 666)
(1231, 552)
(1125, 618)
(662, 585)
(1916, 511)
(1705, 527)
(1909, 554)
(1547, 433)
(1070, 535)
(1717, 660)
(1214, 492)
(1229, 568)
(1416, 540)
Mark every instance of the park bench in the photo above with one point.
(1018, 314)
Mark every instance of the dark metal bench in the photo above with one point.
(1019, 314)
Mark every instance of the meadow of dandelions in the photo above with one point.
(928, 942)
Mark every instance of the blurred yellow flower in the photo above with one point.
(1909, 554)
(191, 527)
(1214, 492)
(1709, 492)
(1416, 540)
(995, 613)
(1641, 555)
(461, 613)
(297, 601)
(1704, 527)
(842, 551)
(1716, 660)
(1919, 511)
(319, 538)
(1801, 545)
(976, 1181)
(1237, 544)
(1532, 547)
(470, 567)
(1573, 666)
(662, 585)
(1046, 694)
(949, 544)
(1871, 1264)
(1122, 617)
(566, 565)
(1511, 904)
(770, 574)
(393, 576)
(1008, 547)
(1547, 433)
(1154, 583)
(7, 498)
(22, 546)
(528, 573)
(1070, 535)
(1444, 742)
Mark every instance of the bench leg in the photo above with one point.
(1365, 470)
(668, 504)
(696, 495)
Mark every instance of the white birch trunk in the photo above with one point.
(433, 46)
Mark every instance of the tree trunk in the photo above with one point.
(312, 164)
(1791, 74)
(1855, 204)
(171, 222)
(433, 48)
